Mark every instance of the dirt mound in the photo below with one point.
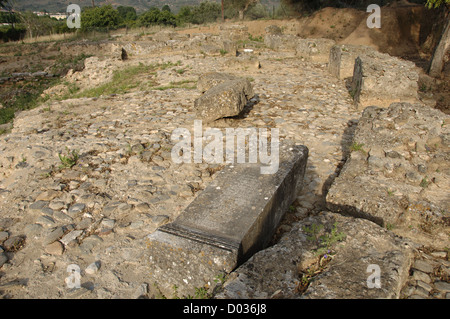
(399, 34)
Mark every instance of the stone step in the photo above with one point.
(234, 217)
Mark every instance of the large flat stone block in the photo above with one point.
(380, 79)
(398, 173)
(234, 217)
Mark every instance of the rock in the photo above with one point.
(281, 42)
(209, 80)
(14, 243)
(55, 248)
(89, 243)
(383, 193)
(108, 223)
(342, 59)
(3, 259)
(47, 195)
(442, 286)
(39, 74)
(233, 32)
(419, 275)
(273, 29)
(380, 79)
(334, 66)
(229, 47)
(223, 100)
(314, 50)
(46, 221)
(71, 237)
(93, 268)
(159, 220)
(33, 230)
(363, 243)
(56, 205)
(38, 205)
(53, 236)
(141, 291)
(60, 216)
(423, 266)
(3, 236)
(76, 209)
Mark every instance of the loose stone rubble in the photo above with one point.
(97, 215)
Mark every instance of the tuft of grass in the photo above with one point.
(256, 38)
(177, 85)
(356, 147)
(424, 182)
(69, 160)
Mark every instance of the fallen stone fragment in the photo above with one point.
(209, 80)
(224, 100)
(234, 217)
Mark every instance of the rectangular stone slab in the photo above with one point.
(234, 217)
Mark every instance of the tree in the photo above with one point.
(149, 17)
(166, 8)
(242, 6)
(100, 17)
(184, 15)
(127, 13)
(205, 12)
(436, 3)
(439, 55)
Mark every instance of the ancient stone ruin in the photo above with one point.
(361, 186)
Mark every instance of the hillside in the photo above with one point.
(139, 5)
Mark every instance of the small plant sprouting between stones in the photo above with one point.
(325, 241)
(324, 252)
(356, 147)
(69, 160)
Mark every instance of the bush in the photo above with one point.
(206, 12)
(105, 17)
(12, 34)
(6, 115)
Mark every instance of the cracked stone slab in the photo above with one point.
(346, 275)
